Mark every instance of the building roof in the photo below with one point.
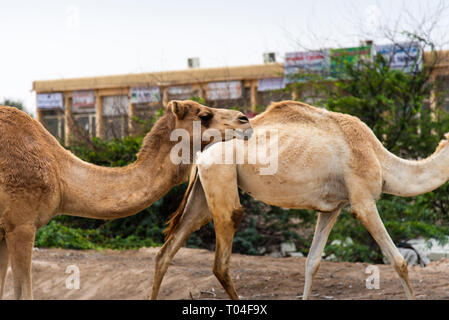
(181, 77)
(187, 76)
(441, 58)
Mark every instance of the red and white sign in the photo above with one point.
(83, 99)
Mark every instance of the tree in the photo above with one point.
(13, 103)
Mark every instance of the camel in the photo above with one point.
(327, 160)
(40, 179)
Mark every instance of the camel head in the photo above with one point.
(190, 113)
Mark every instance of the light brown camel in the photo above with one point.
(326, 160)
(40, 179)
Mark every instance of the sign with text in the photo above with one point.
(224, 90)
(401, 56)
(340, 57)
(83, 101)
(308, 62)
(145, 94)
(50, 101)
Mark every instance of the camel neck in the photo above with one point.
(109, 193)
(410, 178)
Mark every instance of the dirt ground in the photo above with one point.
(128, 275)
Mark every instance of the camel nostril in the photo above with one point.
(243, 119)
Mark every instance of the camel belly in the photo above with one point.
(305, 176)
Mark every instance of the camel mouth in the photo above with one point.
(244, 134)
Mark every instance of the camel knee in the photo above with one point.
(161, 258)
(237, 217)
(219, 271)
(401, 267)
(312, 265)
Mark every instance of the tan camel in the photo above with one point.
(326, 161)
(40, 179)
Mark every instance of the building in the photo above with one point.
(107, 106)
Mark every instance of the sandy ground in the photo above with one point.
(128, 275)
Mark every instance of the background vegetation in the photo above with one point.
(393, 103)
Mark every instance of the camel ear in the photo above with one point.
(178, 108)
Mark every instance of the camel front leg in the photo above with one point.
(325, 222)
(4, 261)
(20, 243)
(224, 204)
(224, 233)
(195, 215)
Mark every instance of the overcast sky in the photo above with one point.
(56, 39)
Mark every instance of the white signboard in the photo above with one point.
(224, 90)
(83, 101)
(270, 84)
(50, 101)
(310, 61)
(145, 94)
(115, 105)
(181, 90)
(402, 56)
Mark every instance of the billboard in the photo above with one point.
(49, 101)
(270, 84)
(145, 94)
(339, 57)
(310, 61)
(224, 90)
(83, 101)
(401, 56)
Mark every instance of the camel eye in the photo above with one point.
(206, 116)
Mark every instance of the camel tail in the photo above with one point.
(409, 178)
(177, 215)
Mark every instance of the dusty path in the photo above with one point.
(128, 275)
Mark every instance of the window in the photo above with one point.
(85, 124)
(115, 116)
(53, 121)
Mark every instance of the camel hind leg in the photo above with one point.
(366, 212)
(194, 216)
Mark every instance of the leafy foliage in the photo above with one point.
(13, 103)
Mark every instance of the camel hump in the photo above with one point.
(14, 119)
(291, 111)
(26, 157)
(291, 106)
(13, 112)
